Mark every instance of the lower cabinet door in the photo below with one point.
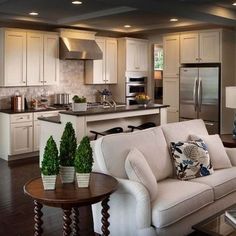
(36, 135)
(21, 138)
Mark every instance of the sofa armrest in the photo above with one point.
(130, 207)
(231, 152)
(142, 198)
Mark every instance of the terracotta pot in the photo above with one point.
(67, 174)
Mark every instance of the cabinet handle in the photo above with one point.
(200, 59)
(45, 81)
(24, 82)
(197, 59)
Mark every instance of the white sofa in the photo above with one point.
(179, 204)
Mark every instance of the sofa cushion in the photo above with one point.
(138, 170)
(152, 144)
(177, 199)
(222, 181)
(180, 131)
(218, 155)
(191, 159)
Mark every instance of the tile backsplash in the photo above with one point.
(71, 80)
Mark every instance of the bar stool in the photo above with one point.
(114, 130)
(142, 126)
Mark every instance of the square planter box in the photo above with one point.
(49, 182)
(79, 106)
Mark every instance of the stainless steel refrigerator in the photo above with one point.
(200, 95)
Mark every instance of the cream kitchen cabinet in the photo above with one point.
(21, 133)
(171, 76)
(36, 122)
(171, 97)
(171, 56)
(51, 58)
(34, 65)
(200, 47)
(28, 58)
(12, 58)
(136, 55)
(103, 71)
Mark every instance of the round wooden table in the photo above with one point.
(69, 197)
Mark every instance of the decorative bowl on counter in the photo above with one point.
(142, 99)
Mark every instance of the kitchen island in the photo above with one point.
(99, 119)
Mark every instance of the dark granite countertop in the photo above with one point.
(11, 112)
(99, 111)
(52, 119)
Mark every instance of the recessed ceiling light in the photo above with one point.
(33, 13)
(173, 19)
(234, 4)
(76, 2)
(127, 26)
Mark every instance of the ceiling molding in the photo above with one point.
(201, 12)
(108, 12)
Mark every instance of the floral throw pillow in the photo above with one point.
(191, 159)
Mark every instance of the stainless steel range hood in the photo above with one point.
(79, 49)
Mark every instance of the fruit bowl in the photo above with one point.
(142, 99)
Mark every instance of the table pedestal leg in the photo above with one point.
(66, 222)
(38, 218)
(75, 224)
(105, 217)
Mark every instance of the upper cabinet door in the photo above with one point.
(136, 55)
(99, 65)
(131, 56)
(189, 48)
(171, 56)
(143, 56)
(34, 59)
(111, 61)
(15, 58)
(51, 59)
(209, 47)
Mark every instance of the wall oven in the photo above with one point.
(135, 83)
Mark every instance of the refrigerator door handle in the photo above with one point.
(194, 94)
(199, 94)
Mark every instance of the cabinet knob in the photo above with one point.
(24, 82)
(197, 59)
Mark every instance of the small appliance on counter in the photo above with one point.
(18, 102)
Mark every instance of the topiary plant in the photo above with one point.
(77, 99)
(50, 163)
(84, 157)
(68, 146)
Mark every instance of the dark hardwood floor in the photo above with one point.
(16, 209)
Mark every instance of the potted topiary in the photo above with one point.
(83, 162)
(68, 147)
(79, 103)
(50, 165)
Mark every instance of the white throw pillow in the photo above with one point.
(217, 153)
(138, 170)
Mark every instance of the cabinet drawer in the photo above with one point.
(24, 117)
(45, 114)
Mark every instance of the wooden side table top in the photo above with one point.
(228, 140)
(100, 187)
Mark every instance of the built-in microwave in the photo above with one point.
(132, 89)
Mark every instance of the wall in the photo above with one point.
(71, 81)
